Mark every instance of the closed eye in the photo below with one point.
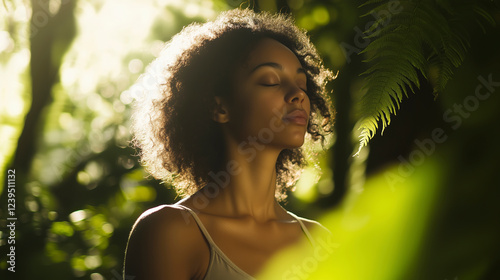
(269, 85)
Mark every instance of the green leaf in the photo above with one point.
(427, 37)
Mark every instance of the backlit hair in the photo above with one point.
(172, 122)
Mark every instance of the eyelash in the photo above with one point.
(273, 85)
(270, 85)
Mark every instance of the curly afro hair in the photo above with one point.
(172, 121)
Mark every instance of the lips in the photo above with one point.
(297, 116)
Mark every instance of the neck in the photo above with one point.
(251, 188)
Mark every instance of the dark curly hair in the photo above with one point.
(172, 121)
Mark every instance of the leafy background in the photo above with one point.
(418, 202)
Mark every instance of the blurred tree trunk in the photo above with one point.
(343, 148)
(51, 33)
(50, 37)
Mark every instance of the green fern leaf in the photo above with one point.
(428, 37)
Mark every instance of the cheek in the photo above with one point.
(258, 111)
(261, 111)
(258, 101)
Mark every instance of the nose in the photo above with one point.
(295, 95)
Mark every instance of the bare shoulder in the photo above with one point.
(169, 217)
(163, 238)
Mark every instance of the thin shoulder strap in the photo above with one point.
(199, 223)
(214, 246)
(304, 228)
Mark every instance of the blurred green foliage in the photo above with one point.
(399, 210)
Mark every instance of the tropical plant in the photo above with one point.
(411, 40)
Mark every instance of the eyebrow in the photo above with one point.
(277, 66)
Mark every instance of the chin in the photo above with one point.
(298, 145)
(290, 140)
(294, 144)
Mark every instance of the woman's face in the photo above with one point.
(270, 105)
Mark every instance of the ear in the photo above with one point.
(220, 112)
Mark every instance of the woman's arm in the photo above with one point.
(164, 244)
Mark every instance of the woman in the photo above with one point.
(222, 115)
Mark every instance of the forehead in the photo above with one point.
(270, 50)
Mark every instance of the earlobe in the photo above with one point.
(220, 112)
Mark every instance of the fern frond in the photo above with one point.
(428, 37)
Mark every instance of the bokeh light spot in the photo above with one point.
(305, 189)
(321, 15)
(135, 66)
(77, 216)
(92, 262)
(6, 42)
